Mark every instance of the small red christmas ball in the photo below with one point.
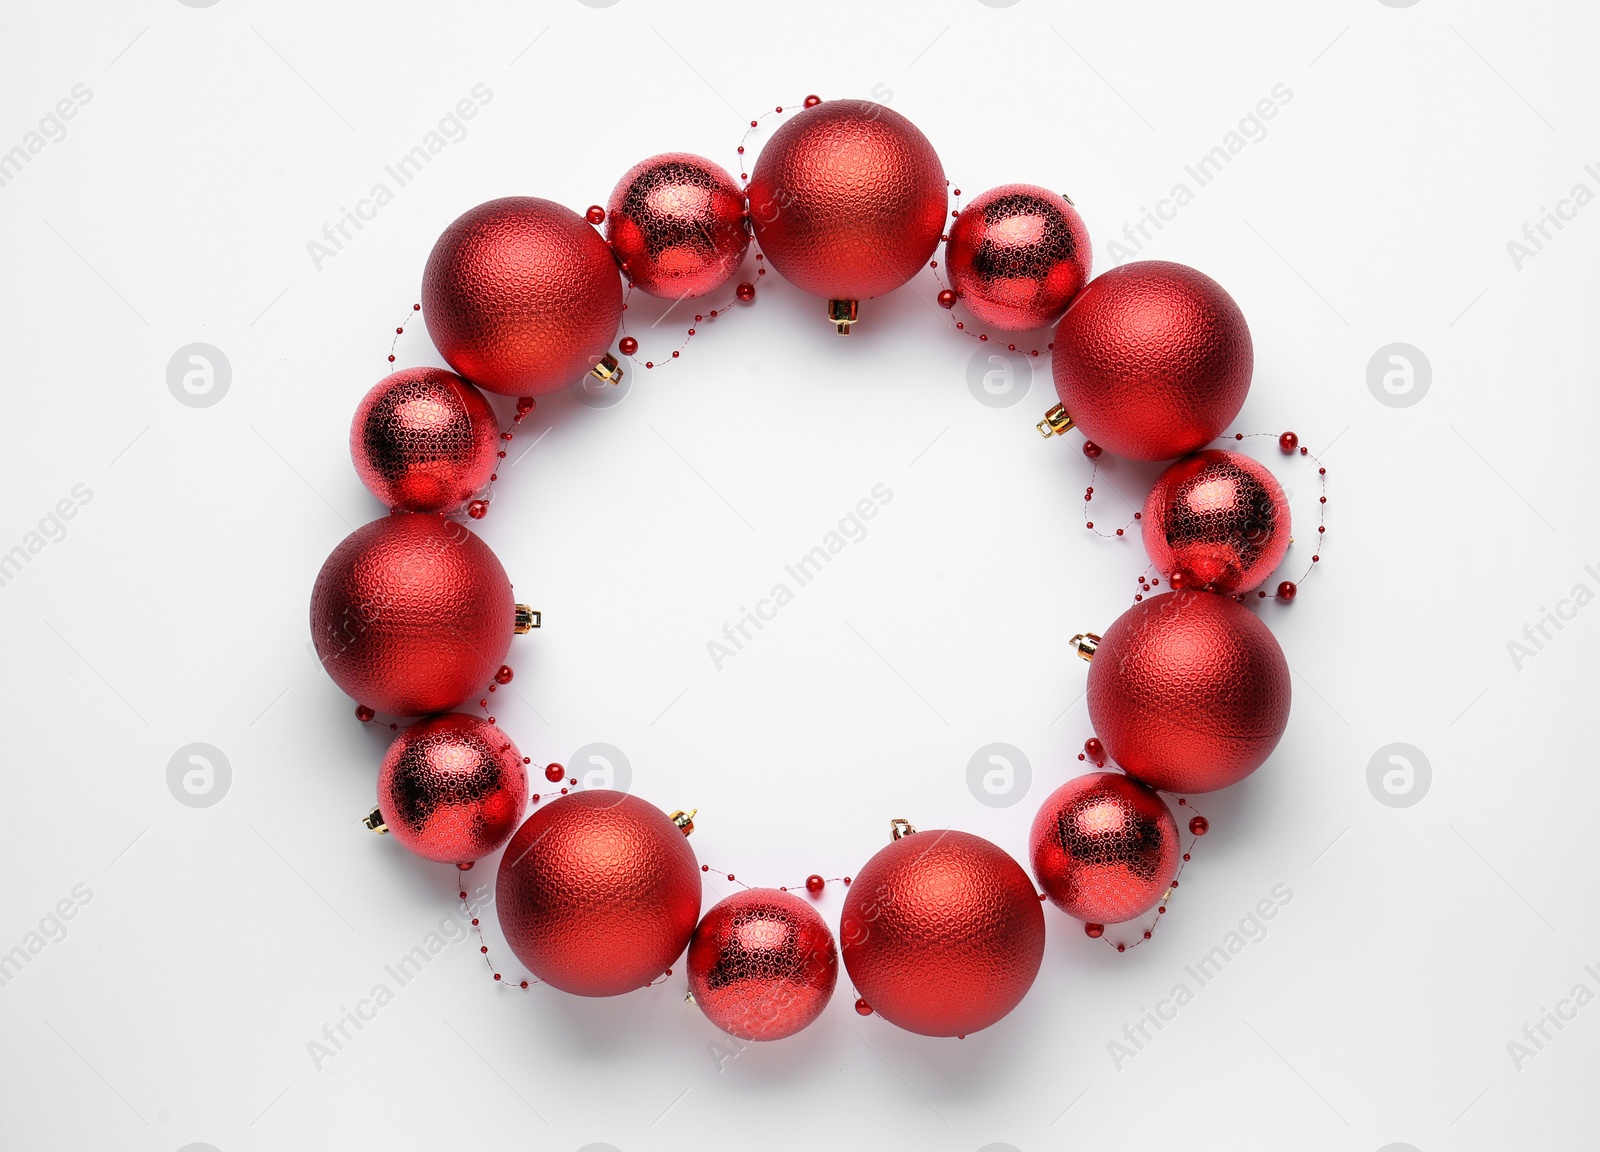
(521, 296)
(762, 964)
(847, 200)
(1017, 255)
(1189, 691)
(677, 223)
(1152, 360)
(942, 933)
(424, 440)
(598, 893)
(412, 614)
(1218, 520)
(1104, 848)
(452, 788)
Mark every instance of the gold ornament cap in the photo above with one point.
(1055, 422)
(527, 619)
(900, 828)
(842, 314)
(684, 820)
(1085, 644)
(608, 370)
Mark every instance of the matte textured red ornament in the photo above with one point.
(1188, 691)
(1104, 848)
(598, 893)
(521, 296)
(942, 933)
(847, 201)
(412, 614)
(1151, 361)
(762, 964)
(1218, 520)
(452, 788)
(1017, 255)
(424, 440)
(677, 224)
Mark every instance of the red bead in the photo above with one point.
(595, 214)
(813, 101)
(497, 975)
(947, 299)
(1091, 449)
(554, 773)
(746, 291)
(524, 984)
(1122, 947)
(504, 675)
(814, 884)
(1177, 581)
(478, 509)
(649, 364)
(1287, 590)
(1288, 442)
(1199, 825)
(1095, 750)
(863, 1008)
(391, 359)
(1094, 931)
(363, 713)
(627, 345)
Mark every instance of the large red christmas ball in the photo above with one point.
(1104, 848)
(847, 200)
(452, 788)
(1188, 691)
(412, 614)
(598, 893)
(424, 440)
(1216, 520)
(521, 296)
(1152, 360)
(677, 224)
(942, 933)
(762, 964)
(1017, 255)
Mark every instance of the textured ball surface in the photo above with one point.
(942, 933)
(762, 964)
(452, 788)
(1152, 360)
(424, 440)
(521, 296)
(1218, 520)
(1017, 256)
(598, 893)
(1104, 848)
(412, 614)
(847, 200)
(1189, 691)
(677, 224)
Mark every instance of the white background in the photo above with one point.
(217, 942)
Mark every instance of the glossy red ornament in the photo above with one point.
(452, 788)
(521, 296)
(1218, 520)
(1152, 360)
(598, 893)
(677, 224)
(1188, 691)
(412, 614)
(1017, 255)
(762, 964)
(1104, 848)
(847, 200)
(424, 440)
(942, 933)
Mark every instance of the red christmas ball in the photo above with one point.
(1217, 520)
(847, 200)
(1189, 691)
(1017, 255)
(412, 614)
(942, 933)
(598, 893)
(1152, 360)
(452, 788)
(521, 296)
(1104, 848)
(677, 224)
(762, 964)
(424, 440)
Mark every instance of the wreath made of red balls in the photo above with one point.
(598, 891)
